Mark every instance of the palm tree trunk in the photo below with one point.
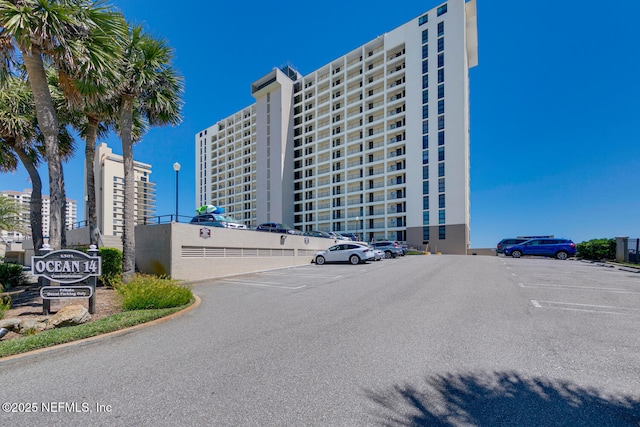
(89, 158)
(35, 206)
(48, 123)
(128, 237)
(63, 213)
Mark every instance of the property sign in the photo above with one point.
(66, 266)
(54, 292)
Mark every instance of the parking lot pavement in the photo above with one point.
(312, 275)
(576, 287)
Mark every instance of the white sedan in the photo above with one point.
(345, 252)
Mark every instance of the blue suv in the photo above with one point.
(559, 248)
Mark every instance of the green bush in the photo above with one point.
(111, 265)
(597, 249)
(150, 292)
(5, 305)
(12, 275)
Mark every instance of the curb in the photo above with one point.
(86, 341)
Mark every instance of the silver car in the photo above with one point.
(345, 252)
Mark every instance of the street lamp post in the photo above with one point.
(176, 167)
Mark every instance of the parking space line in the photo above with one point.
(263, 285)
(578, 288)
(589, 308)
(267, 273)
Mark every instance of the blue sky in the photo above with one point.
(555, 101)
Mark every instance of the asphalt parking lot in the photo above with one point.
(577, 286)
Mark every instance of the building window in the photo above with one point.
(425, 126)
(440, 91)
(441, 201)
(442, 10)
(440, 60)
(425, 111)
(441, 216)
(425, 66)
(441, 75)
(440, 122)
(442, 233)
(440, 29)
(425, 218)
(425, 81)
(425, 203)
(441, 106)
(425, 96)
(425, 234)
(425, 142)
(425, 172)
(441, 170)
(441, 185)
(425, 51)
(424, 19)
(441, 154)
(441, 138)
(440, 44)
(425, 36)
(425, 157)
(425, 187)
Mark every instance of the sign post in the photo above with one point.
(66, 266)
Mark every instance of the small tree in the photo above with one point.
(10, 211)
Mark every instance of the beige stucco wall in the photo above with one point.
(182, 252)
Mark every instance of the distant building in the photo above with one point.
(24, 199)
(360, 144)
(109, 182)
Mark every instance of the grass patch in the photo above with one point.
(148, 292)
(5, 305)
(74, 333)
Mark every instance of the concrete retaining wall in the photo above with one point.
(191, 252)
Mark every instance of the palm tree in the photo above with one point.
(10, 211)
(20, 137)
(76, 33)
(150, 90)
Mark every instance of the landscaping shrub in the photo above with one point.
(12, 275)
(150, 292)
(597, 249)
(5, 305)
(111, 265)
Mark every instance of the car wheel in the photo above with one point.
(354, 259)
(387, 254)
(516, 254)
(562, 255)
(319, 260)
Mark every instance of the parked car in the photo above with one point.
(378, 253)
(390, 249)
(345, 252)
(315, 233)
(559, 248)
(507, 243)
(404, 247)
(352, 236)
(275, 227)
(217, 220)
(338, 236)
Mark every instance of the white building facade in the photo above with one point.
(109, 183)
(374, 143)
(24, 200)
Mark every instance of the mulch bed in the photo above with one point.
(28, 304)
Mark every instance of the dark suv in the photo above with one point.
(559, 248)
(507, 243)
